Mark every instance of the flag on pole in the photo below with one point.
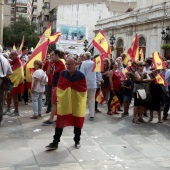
(159, 79)
(17, 77)
(20, 48)
(100, 42)
(14, 47)
(124, 71)
(99, 97)
(157, 61)
(54, 37)
(39, 53)
(133, 51)
(98, 64)
(127, 59)
(141, 55)
(115, 103)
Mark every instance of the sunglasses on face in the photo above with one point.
(142, 65)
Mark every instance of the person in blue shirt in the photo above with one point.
(127, 85)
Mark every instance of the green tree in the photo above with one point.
(14, 33)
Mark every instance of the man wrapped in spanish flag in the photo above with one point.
(71, 102)
(17, 85)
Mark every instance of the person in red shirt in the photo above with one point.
(115, 84)
(48, 86)
(55, 67)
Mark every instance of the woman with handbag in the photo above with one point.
(140, 87)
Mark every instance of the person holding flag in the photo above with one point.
(17, 83)
(71, 97)
(155, 91)
(115, 84)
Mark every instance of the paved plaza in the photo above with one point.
(108, 142)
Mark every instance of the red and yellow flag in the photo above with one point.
(14, 47)
(124, 71)
(20, 48)
(133, 51)
(98, 64)
(39, 53)
(127, 59)
(115, 103)
(100, 42)
(159, 79)
(157, 61)
(99, 97)
(71, 100)
(54, 37)
(17, 77)
(141, 55)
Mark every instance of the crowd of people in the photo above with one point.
(47, 75)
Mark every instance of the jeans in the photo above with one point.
(91, 100)
(1, 100)
(37, 103)
(59, 131)
(49, 95)
(167, 105)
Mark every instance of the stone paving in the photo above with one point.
(108, 142)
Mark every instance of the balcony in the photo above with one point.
(46, 11)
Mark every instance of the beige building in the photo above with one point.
(79, 13)
(148, 20)
(1, 20)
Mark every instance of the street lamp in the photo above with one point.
(166, 35)
(112, 41)
(85, 45)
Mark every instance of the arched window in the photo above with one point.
(142, 44)
(119, 47)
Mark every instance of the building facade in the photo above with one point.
(1, 20)
(78, 15)
(148, 20)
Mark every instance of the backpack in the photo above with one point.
(44, 79)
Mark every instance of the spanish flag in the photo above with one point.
(115, 103)
(14, 47)
(127, 59)
(99, 97)
(157, 61)
(54, 37)
(71, 100)
(100, 42)
(141, 55)
(124, 71)
(98, 64)
(159, 79)
(17, 77)
(133, 51)
(39, 53)
(20, 48)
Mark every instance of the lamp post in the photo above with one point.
(166, 38)
(112, 41)
(85, 45)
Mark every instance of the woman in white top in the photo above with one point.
(37, 89)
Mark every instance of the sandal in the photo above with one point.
(135, 121)
(150, 120)
(159, 121)
(109, 113)
(141, 120)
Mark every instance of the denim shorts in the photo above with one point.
(127, 98)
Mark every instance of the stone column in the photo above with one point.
(1, 20)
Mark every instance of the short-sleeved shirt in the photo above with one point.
(38, 74)
(58, 67)
(127, 92)
(50, 76)
(5, 68)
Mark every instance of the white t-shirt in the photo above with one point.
(38, 74)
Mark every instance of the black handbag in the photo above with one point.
(5, 82)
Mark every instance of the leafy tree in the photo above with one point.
(14, 33)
